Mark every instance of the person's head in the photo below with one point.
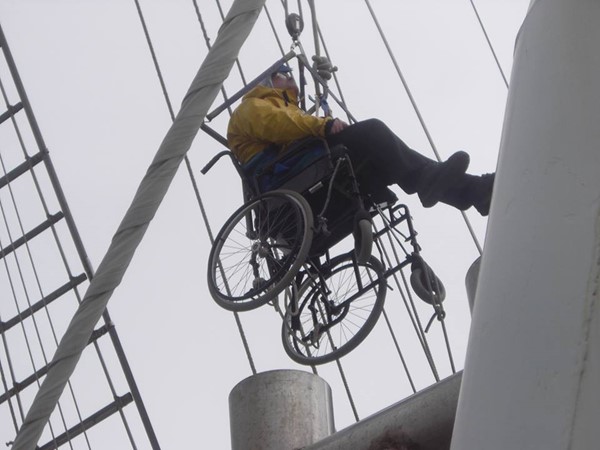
(282, 78)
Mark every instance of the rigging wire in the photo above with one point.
(410, 307)
(278, 40)
(25, 336)
(68, 270)
(489, 42)
(189, 167)
(40, 290)
(397, 345)
(318, 36)
(335, 77)
(316, 39)
(4, 378)
(275, 31)
(62, 254)
(417, 111)
(222, 14)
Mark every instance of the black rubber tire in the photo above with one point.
(363, 241)
(231, 278)
(341, 285)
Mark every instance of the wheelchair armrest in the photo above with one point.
(214, 160)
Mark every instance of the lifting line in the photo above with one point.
(186, 158)
(418, 112)
(489, 42)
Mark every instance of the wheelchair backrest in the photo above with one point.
(297, 167)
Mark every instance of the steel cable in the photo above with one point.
(418, 112)
(69, 273)
(188, 164)
(489, 42)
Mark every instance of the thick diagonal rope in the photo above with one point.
(203, 90)
(418, 112)
(186, 159)
(489, 42)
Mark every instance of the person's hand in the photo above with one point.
(337, 126)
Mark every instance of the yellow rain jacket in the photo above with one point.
(269, 116)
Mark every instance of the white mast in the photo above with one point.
(532, 376)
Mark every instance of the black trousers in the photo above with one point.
(379, 157)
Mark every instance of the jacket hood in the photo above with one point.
(265, 92)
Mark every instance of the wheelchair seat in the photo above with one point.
(297, 167)
(308, 167)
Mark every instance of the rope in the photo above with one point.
(347, 388)
(417, 111)
(489, 42)
(404, 365)
(237, 61)
(27, 343)
(275, 30)
(59, 245)
(42, 296)
(207, 41)
(186, 159)
(282, 316)
(335, 77)
(5, 386)
(340, 368)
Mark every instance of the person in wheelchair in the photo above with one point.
(269, 119)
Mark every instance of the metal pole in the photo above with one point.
(280, 409)
(532, 374)
(471, 282)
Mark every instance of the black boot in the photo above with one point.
(471, 191)
(480, 192)
(436, 179)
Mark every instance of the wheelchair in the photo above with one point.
(298, 207)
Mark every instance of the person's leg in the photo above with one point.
(376, 151)
(379, 154)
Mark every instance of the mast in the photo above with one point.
(532, 374)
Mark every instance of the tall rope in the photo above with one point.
(186, 158)
(489, 42)
(418, 112)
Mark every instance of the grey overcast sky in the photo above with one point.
(90, 79)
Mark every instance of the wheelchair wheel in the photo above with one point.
(335, 311)
(259, 250)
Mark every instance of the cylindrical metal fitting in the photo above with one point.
(471, 282)
(280, 410)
